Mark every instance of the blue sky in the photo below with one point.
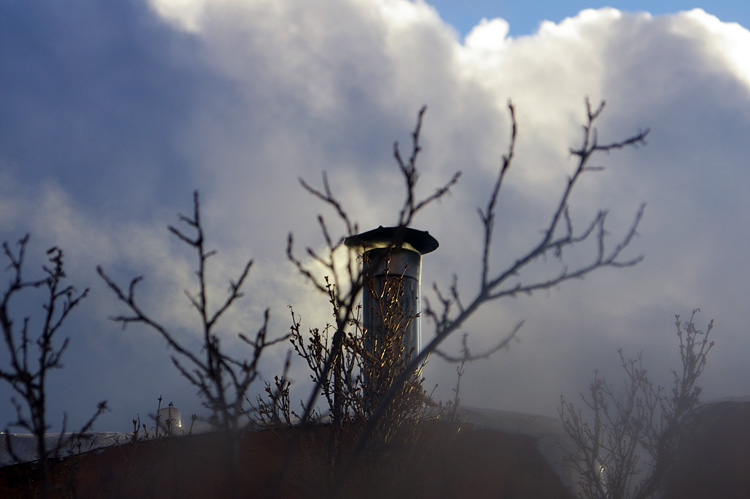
(113, 113)
(524, 17)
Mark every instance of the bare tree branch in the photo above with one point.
(451, 312)
(27, 376)
(221, 379)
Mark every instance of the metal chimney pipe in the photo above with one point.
(392, 258)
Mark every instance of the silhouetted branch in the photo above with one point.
(27, 375)
(221, 379)
(467, 356)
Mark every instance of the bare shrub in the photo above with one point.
(33, 355)
(626, 436)
(368, 364)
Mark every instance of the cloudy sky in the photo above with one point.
(111, 114)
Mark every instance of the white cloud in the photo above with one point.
(727, 43)
(184, 14)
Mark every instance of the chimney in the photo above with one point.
(392, 262)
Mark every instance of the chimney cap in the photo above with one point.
(383, 237)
